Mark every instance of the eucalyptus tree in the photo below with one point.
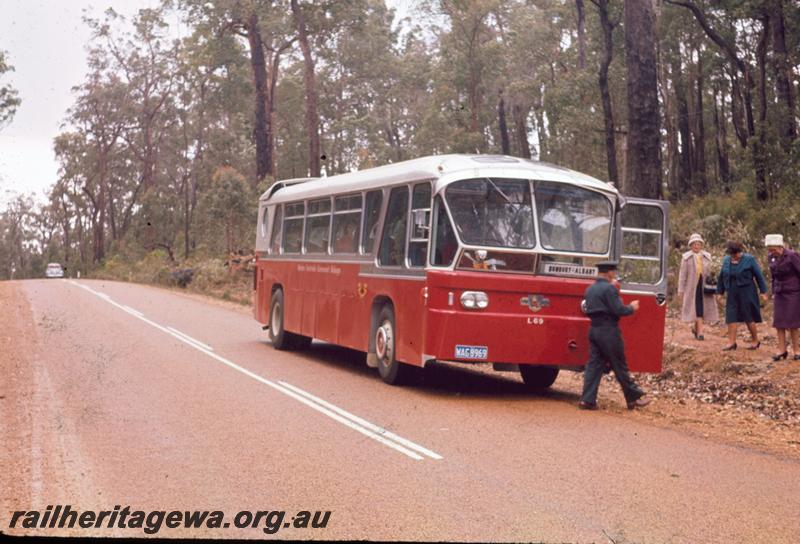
(9, 97)
(144, 58)
(17, 238)
(643, 160)
(469, 59)
(98, 121)
(263, 29)
(725, 28)
(364, 105)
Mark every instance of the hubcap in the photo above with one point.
(384, 346)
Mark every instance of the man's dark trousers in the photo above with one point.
(605, 344)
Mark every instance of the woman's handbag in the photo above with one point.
(709, 289)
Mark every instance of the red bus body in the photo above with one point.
(335, 299)
(324, 302)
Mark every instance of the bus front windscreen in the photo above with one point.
(493, 212)
(572, 218)
(498, 212)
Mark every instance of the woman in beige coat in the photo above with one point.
(697, 306)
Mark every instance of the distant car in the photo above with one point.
(54, 270)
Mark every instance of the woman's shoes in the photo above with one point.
(797, 357)
(783, 355)
(700, 337)
(758, 345)
(732, 347)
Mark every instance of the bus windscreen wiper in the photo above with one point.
(496, 188)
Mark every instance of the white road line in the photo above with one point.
(370, 430)
(190, 339)
(354, 418)
(133, 311)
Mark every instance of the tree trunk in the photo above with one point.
(148, 152)
(787, 126)
(312, 117)
(112, 214)
(670, 118)
(186, 215)
(99, 217)
(644, 148)
(521, 131)
(581, 34)
(686, 154)
(736, 114)
(66, 229)
(700, 133)
(723, 164)
(605, 94)
(197, 164)
(261, 96)
(505, 145)
(271, 100)
(729, 48)
(759, 147)
(541, 132)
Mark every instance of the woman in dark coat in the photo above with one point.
(739, 271)
(784, 267)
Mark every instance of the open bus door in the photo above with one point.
(642, 249)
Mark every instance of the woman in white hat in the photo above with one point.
(697, 306)
(784, 268)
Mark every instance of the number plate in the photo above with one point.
(472, 352)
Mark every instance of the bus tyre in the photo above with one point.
(282, 339)
(538, 377)
(391, 370)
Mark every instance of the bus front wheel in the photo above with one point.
(538, 377)
(391, 370)
(281, 338)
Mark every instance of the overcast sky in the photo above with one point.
(44, 41)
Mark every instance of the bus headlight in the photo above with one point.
(474, 300)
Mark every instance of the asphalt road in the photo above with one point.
(118, 394)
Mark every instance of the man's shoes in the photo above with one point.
(641, 402)
(587, 405)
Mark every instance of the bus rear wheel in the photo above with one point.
(391, 370)
(281, 338)
(538, 377)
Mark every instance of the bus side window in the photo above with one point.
(318, 225)
(293, 228)
(393, 241)
(277, 223)
(420, 224)
(346, 221)
(445, 244)
(371, 215)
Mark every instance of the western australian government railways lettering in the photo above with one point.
(325, 269)
(151, 522)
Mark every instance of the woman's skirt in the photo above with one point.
(742, 305)
(787, 311)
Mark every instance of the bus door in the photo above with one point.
(642, 247)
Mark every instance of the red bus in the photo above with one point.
(460, 258)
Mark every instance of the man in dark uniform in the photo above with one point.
(604, 307)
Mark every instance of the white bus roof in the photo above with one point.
(430, 168)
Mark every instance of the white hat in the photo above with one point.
(696, 238)
(773, 240)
